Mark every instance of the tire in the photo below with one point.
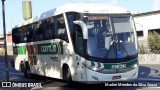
(24, 72)
(23, 69)
(67, 76)
(12, 63)
(27, 72)
(22, 66)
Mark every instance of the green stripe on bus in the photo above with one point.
(120, 65)
(46, 48)
(21, 50)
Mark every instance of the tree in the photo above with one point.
(154, 42)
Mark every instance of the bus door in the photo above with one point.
(79, 47)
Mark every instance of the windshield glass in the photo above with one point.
(110, 37)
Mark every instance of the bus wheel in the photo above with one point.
(67, 76)
(22, 66)
(27, 71)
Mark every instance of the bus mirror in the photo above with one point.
(84, 28)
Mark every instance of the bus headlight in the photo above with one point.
(96, 68)
(135, 65)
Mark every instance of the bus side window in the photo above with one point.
(79, 41)
(60, 28)
(49, 28)
(71, 24)
(36, 35)
(34, 28)
(49, 32)
(39, 34)
(16, 35)
(29, 33)
(22, 34)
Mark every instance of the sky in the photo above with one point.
(13, 8)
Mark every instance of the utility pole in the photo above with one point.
(5, 44)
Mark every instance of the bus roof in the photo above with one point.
(78, 7)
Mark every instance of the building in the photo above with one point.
(146, 22)
(9, 43)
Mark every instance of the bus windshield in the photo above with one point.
(110, 37)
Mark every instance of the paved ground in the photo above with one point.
(148, 73)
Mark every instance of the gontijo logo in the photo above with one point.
(48, 48)
(43, 49)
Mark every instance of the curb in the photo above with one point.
(148, 62)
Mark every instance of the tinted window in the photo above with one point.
(50, 28)
(60, 28)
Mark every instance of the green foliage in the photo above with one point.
(142, 49)
(154, 42)
(1, 52)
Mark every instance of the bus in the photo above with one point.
(82, 42)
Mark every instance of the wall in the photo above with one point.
(149, 58)
(9, 44)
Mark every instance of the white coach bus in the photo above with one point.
(83, 42)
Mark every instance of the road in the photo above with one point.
(147, 74)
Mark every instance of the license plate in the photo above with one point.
(116, 77)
